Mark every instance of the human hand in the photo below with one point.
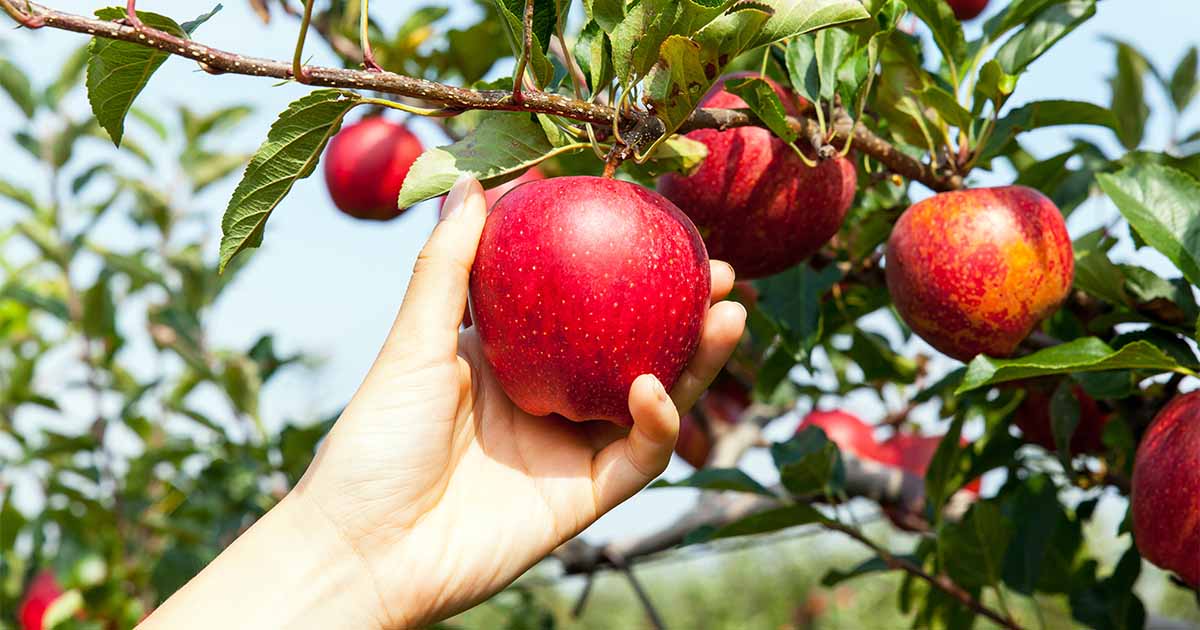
(433, 490)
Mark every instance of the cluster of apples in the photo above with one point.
(581, 284)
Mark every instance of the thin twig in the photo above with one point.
(131, 14)
(460, 98)
(940, 582)
(526, 51)
(655, 619)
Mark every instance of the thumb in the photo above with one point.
(437, 293)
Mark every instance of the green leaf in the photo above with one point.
(1064, 414)
(677, 154)
(1088, 354)
(874, 564)
(290, 153)
(786, 18)
(117, 71)
(17, 85)
(809, 464)
(242, 382)
(1039, 114)
(206, 169)
(1046, 540)
(1160, 204)
(793, 300)
(646, 25)
(18, 194)
(768, 521)
(801, 59)
(1111, 603)
(947, 30)
(878, 361)
(190, 26)
(150, 121)
(946, 106)
(994, 83)
(1183, 85)
(974, 548)
(832, 45)
(11, 522)
(544, 18)
(1095, 273)
(593, 53)
(946, 471)
(1128, 98)
(1045, 30)
(1014, 14)
(717, 479)
(761, 98)
(679, 80)
(1170, 301)
(503, 146)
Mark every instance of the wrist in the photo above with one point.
(291, 569)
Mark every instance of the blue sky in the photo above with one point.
(330, 286)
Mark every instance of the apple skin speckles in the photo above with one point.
(582, 284)
(974, 271)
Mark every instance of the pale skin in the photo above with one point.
(433, 491)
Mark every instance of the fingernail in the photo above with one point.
(454, 199)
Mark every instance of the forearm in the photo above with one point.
(289, 570)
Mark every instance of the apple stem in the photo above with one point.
(616, 155)
(131, 15)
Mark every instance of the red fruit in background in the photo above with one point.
(43, 590)
(759, 207)
(974, 271)
(1166, 489)
(851, 435)
(580, 285)
(1034, 419)
(723, 404)
(913, 453)
(746, 293)
(967, 9)
(365, 166)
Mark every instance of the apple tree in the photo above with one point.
(830, 150)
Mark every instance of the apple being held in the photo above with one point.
(1034, 419)
(975, 271)
(758, 205)
(43, 590)
(722, 405)
(852, 436)
(580, 285)
(967, 9)
(1166, 489)
(365, 166)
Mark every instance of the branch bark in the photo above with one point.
(461, 99)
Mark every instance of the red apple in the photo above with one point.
(43, 590)
(852, 436)
(975, 271)
(580, 285)
(723, 404)
(967, 9)
(1166, 490)
(759, 207)
(913, 453)
(1033, 418)
(365, 166)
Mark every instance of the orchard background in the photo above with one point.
(151, 407)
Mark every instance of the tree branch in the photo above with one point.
(460, 99)
(940, 582)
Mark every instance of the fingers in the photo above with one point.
(722, 279)
(628, 464)
(437, 293)
(722, 330)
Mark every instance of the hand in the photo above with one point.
(437, 488)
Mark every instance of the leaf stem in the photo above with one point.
(364, 37)
(299, 72)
